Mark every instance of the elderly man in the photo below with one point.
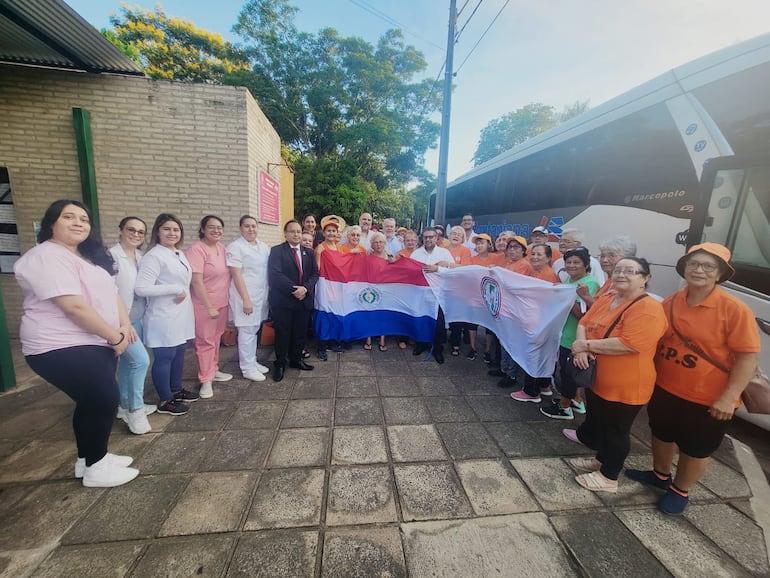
(292, 274)
(467, 224)
(433, 257)
(539, 236)
(572, 238)
(392, 243)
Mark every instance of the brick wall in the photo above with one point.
(191, 149)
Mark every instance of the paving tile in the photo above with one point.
(437, 387)
(286, 499)
(238, 450)
(734, 533)
(553, 441)
(233, 390)
(313, 388)
(12, 402)
(299, 447)
(8, 447)
(31, 423)
(33, 517)
(93, 560)
(353, 553)
(176, 452)
(517, 439)
(307, 413)
(679, 548)
(321, 369)
(725, 482)
(388, 369)
(355, 368)
(415, 443)
(359, 445)
(497, 408)
(360, 495)
(397, 386)
(430, 492)
(431, 369)
(450, 408)
(553, 483)
(477, 384)
(38, 460)
(364, 411)
(630, 493)
(605, 547)
(405, 410)
(203, 416)
(267, 390)
(467, 440)
(186, 556)
(522, 545)
(140, 506)
(276, 554)
(494, 488)
(212, 502)
(256, 415)
(357, 387)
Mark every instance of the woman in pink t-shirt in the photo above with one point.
(74, 326)
(210, 297)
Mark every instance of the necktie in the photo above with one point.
(299, 263)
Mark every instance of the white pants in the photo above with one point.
(247, 347)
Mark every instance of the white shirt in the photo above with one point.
(596, 271)
(393, 245)
(163, 274)
(126, 281)
(436, 255)
(252, 261)
(469, 242)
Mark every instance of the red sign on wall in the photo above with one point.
(269, 199)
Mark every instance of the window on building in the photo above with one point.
(9, 233)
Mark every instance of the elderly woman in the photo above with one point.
(330, 226)
(378, 241)
(501, 241)
(353, 245)
(540, 257)
(410, 244)
(210, 297)
(247, 259)
(611, 252)
(74, 325)
(706, 358)
(620, 333)
(133, 364)
(515, 253)
(169, 322)
(461, 255)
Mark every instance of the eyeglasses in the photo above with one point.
(133, 231)
(429, 236)
(628, 272)
(568, 242)
(693, 265)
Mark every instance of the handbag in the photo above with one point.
(756, 395)
(585, 377)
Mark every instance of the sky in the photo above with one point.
(552, 51)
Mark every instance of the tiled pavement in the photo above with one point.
(374, 464)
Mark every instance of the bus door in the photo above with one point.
(735, 211)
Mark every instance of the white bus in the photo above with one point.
(682, 158)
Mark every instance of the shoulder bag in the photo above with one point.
(585, 377)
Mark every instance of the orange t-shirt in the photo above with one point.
(522, 267)
(606, 289)
(461, 254)
(403, 253)
(627, 378)
(351, 249)
(720, 325)
(492, 260)
(555, 253)
(546, 274)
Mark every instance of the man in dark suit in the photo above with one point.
(292, 273)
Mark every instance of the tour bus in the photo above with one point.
(671, 163)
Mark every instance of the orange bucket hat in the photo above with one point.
(721, 253)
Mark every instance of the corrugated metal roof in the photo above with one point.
(50, 33)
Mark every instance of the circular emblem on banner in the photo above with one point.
(369, 296)
(490, 291)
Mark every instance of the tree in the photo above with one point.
(174, 49)
(509, 130)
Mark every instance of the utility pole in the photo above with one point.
(443, 152)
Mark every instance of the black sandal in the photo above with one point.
(455, 352)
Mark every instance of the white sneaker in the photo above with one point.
(254, 376)
(148, 410)
(137, 422)
(106, 474)
(206, 391)
(262, 369)
(222, 376)
(120, 461)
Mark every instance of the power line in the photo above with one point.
(457, 36)
(393, 22)
(482, 36)
(460, 11)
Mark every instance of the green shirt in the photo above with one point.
(569, 333)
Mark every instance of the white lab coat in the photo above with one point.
(252, 261)
(126, 281)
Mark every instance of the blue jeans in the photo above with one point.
(167, 370)
(132, 369)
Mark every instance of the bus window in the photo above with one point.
(752, 235)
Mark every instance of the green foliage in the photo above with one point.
(130, 50)
(509, 130)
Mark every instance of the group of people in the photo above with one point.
(91, 314)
